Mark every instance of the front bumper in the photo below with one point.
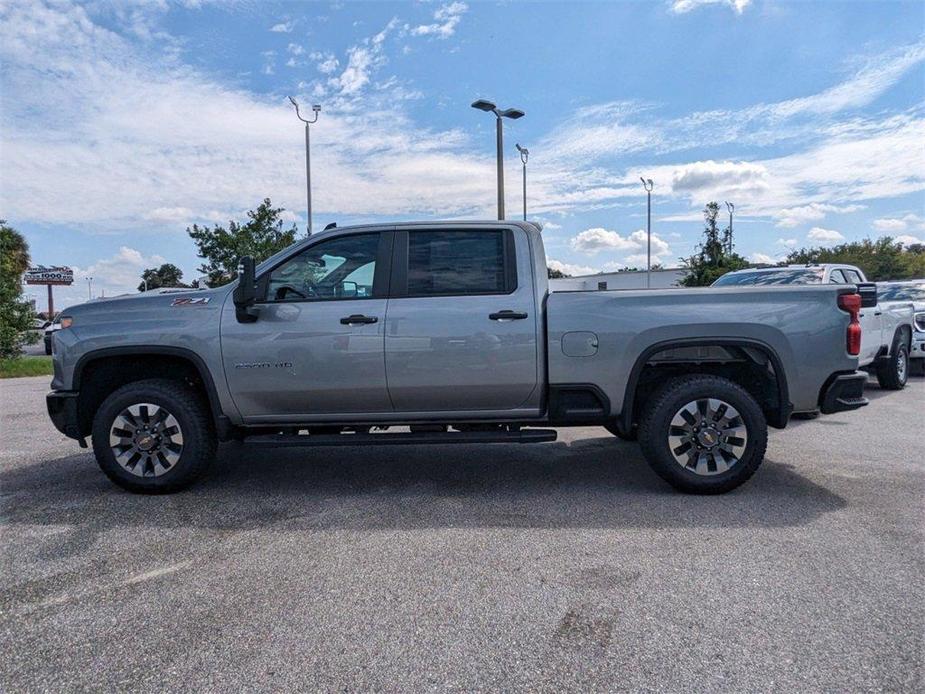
(62, 408)
(843, 392)
(918, 346)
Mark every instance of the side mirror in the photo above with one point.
(245, 294)
(868, 292)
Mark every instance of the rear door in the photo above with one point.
(461, 325)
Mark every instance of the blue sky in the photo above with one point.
(122, 123)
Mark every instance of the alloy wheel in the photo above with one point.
(146, 440)
(707, 436)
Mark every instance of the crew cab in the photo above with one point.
(886, 329)
(446, 332)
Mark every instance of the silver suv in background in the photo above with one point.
(903, 293)
(886, 329)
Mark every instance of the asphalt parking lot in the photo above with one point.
(554, 567)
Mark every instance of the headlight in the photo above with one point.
(66, 322)
(920, 321)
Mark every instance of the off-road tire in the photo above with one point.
(893, 371)
(190, 411)
(666, 403)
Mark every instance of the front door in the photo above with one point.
(461, 327)
(317, 346)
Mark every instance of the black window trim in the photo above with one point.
(399, 278)
(381, 273)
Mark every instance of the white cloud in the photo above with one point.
(813, 212)
(295, 49)
(117, 274)
(909, 222)
(571, 268)
(593, 241)
(200, 147)
(683, 6)
(362, 60)
(711, 176)
(447, 18)
(788, 243)
(909, 240)
(762, 258)
(326, 63)
(282, 27)
(824, 236)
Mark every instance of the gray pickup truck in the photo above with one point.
(446, 333)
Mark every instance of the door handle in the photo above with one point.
(357, 319)
(507, 315)
(878, 313)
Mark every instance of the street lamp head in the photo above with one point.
(647, 183)
(524, 152)
(484, 105)
(513, 113)
(316, 108)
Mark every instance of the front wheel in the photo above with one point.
(154, 436)
(893, 373)
(703, 434)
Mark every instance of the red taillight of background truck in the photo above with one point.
(852, 304)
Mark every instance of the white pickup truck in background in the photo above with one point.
(886, 329)
(903, 293)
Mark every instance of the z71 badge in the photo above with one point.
(191, 301)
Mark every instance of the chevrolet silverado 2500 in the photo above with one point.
(446, 333)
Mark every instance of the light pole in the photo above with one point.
(731, 208)
(89, 288)
(308, 160)
(648, 185)
(514, 114)
(524, 154)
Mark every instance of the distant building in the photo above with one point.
(661, 279)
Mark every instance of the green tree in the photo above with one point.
(711, 260)
(16, 314)
(555, 274)
(261, 236)
(880, 259)
(167, 275)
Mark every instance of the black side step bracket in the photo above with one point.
(405, 438)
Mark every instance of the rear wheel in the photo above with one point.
(894, 371)
(154, 436)
(703, 434)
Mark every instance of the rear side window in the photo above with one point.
(853, 277)
(837, 277)
(456, 262)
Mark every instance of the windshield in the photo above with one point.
(766, 277)
(902, 292)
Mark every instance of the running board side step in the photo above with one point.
(412, 437)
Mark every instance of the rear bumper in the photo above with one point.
(62, 408)
(843, 392)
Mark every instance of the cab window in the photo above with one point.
(837, 277)
(339, 268)
(458, 262)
